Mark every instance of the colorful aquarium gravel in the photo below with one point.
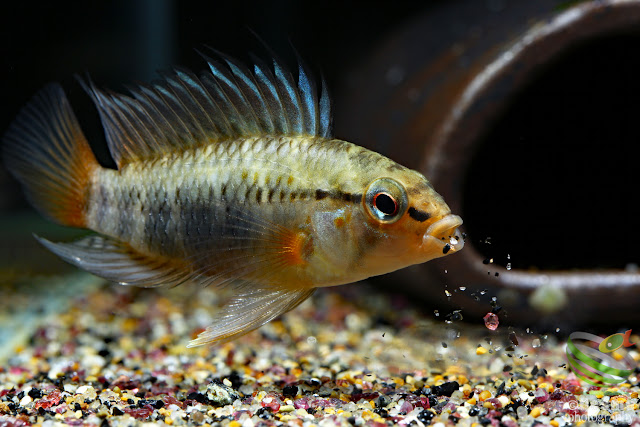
(349, 356)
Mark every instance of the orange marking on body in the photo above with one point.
(339, 222)
(290, 180)
(297, 247)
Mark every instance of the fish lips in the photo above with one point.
(444, 235)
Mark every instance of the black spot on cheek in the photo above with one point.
(418, 215)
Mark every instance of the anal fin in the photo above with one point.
(118, 262)
(248, 310)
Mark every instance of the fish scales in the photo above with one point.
(174, 206)
(228, 180)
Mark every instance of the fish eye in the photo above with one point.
(385, 203)
(386, 200)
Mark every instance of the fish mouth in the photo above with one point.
(444, 234)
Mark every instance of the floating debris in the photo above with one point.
(513, 338)
(454, 316)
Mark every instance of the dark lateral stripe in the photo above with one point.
(353, 198)
(321, 194)
(418, 215)
(340, 195)
(348, 197)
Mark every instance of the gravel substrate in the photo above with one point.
(348, 356)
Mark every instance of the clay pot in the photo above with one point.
(525, 116)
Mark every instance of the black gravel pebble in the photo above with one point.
(156, 403)
(425, 416)
(314, 382)
(236, 380)
(264, 413)
(382, 412)
(445, 389)
(198, 397)
(35, 393)
(432, 401)
(382, 401)
(290, 391)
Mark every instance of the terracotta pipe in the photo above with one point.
(427, 97)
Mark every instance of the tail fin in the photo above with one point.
(47, 152)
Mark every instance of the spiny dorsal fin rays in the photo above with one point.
(189, 86)
(186, 108)
(291, 100)
(310, 101)
(248, 86)
(238, 104)
(309, 98)
(265, 80)
(326, 116)
(239, 83)
(213, 109)
(184, 111)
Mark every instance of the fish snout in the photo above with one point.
(444, 234)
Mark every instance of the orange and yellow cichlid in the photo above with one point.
(229, 179)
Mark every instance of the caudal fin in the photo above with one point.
(47, 152)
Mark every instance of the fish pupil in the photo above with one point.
(385, 204)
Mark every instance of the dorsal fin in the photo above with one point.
(231, 101)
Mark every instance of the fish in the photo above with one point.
(231, 178)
